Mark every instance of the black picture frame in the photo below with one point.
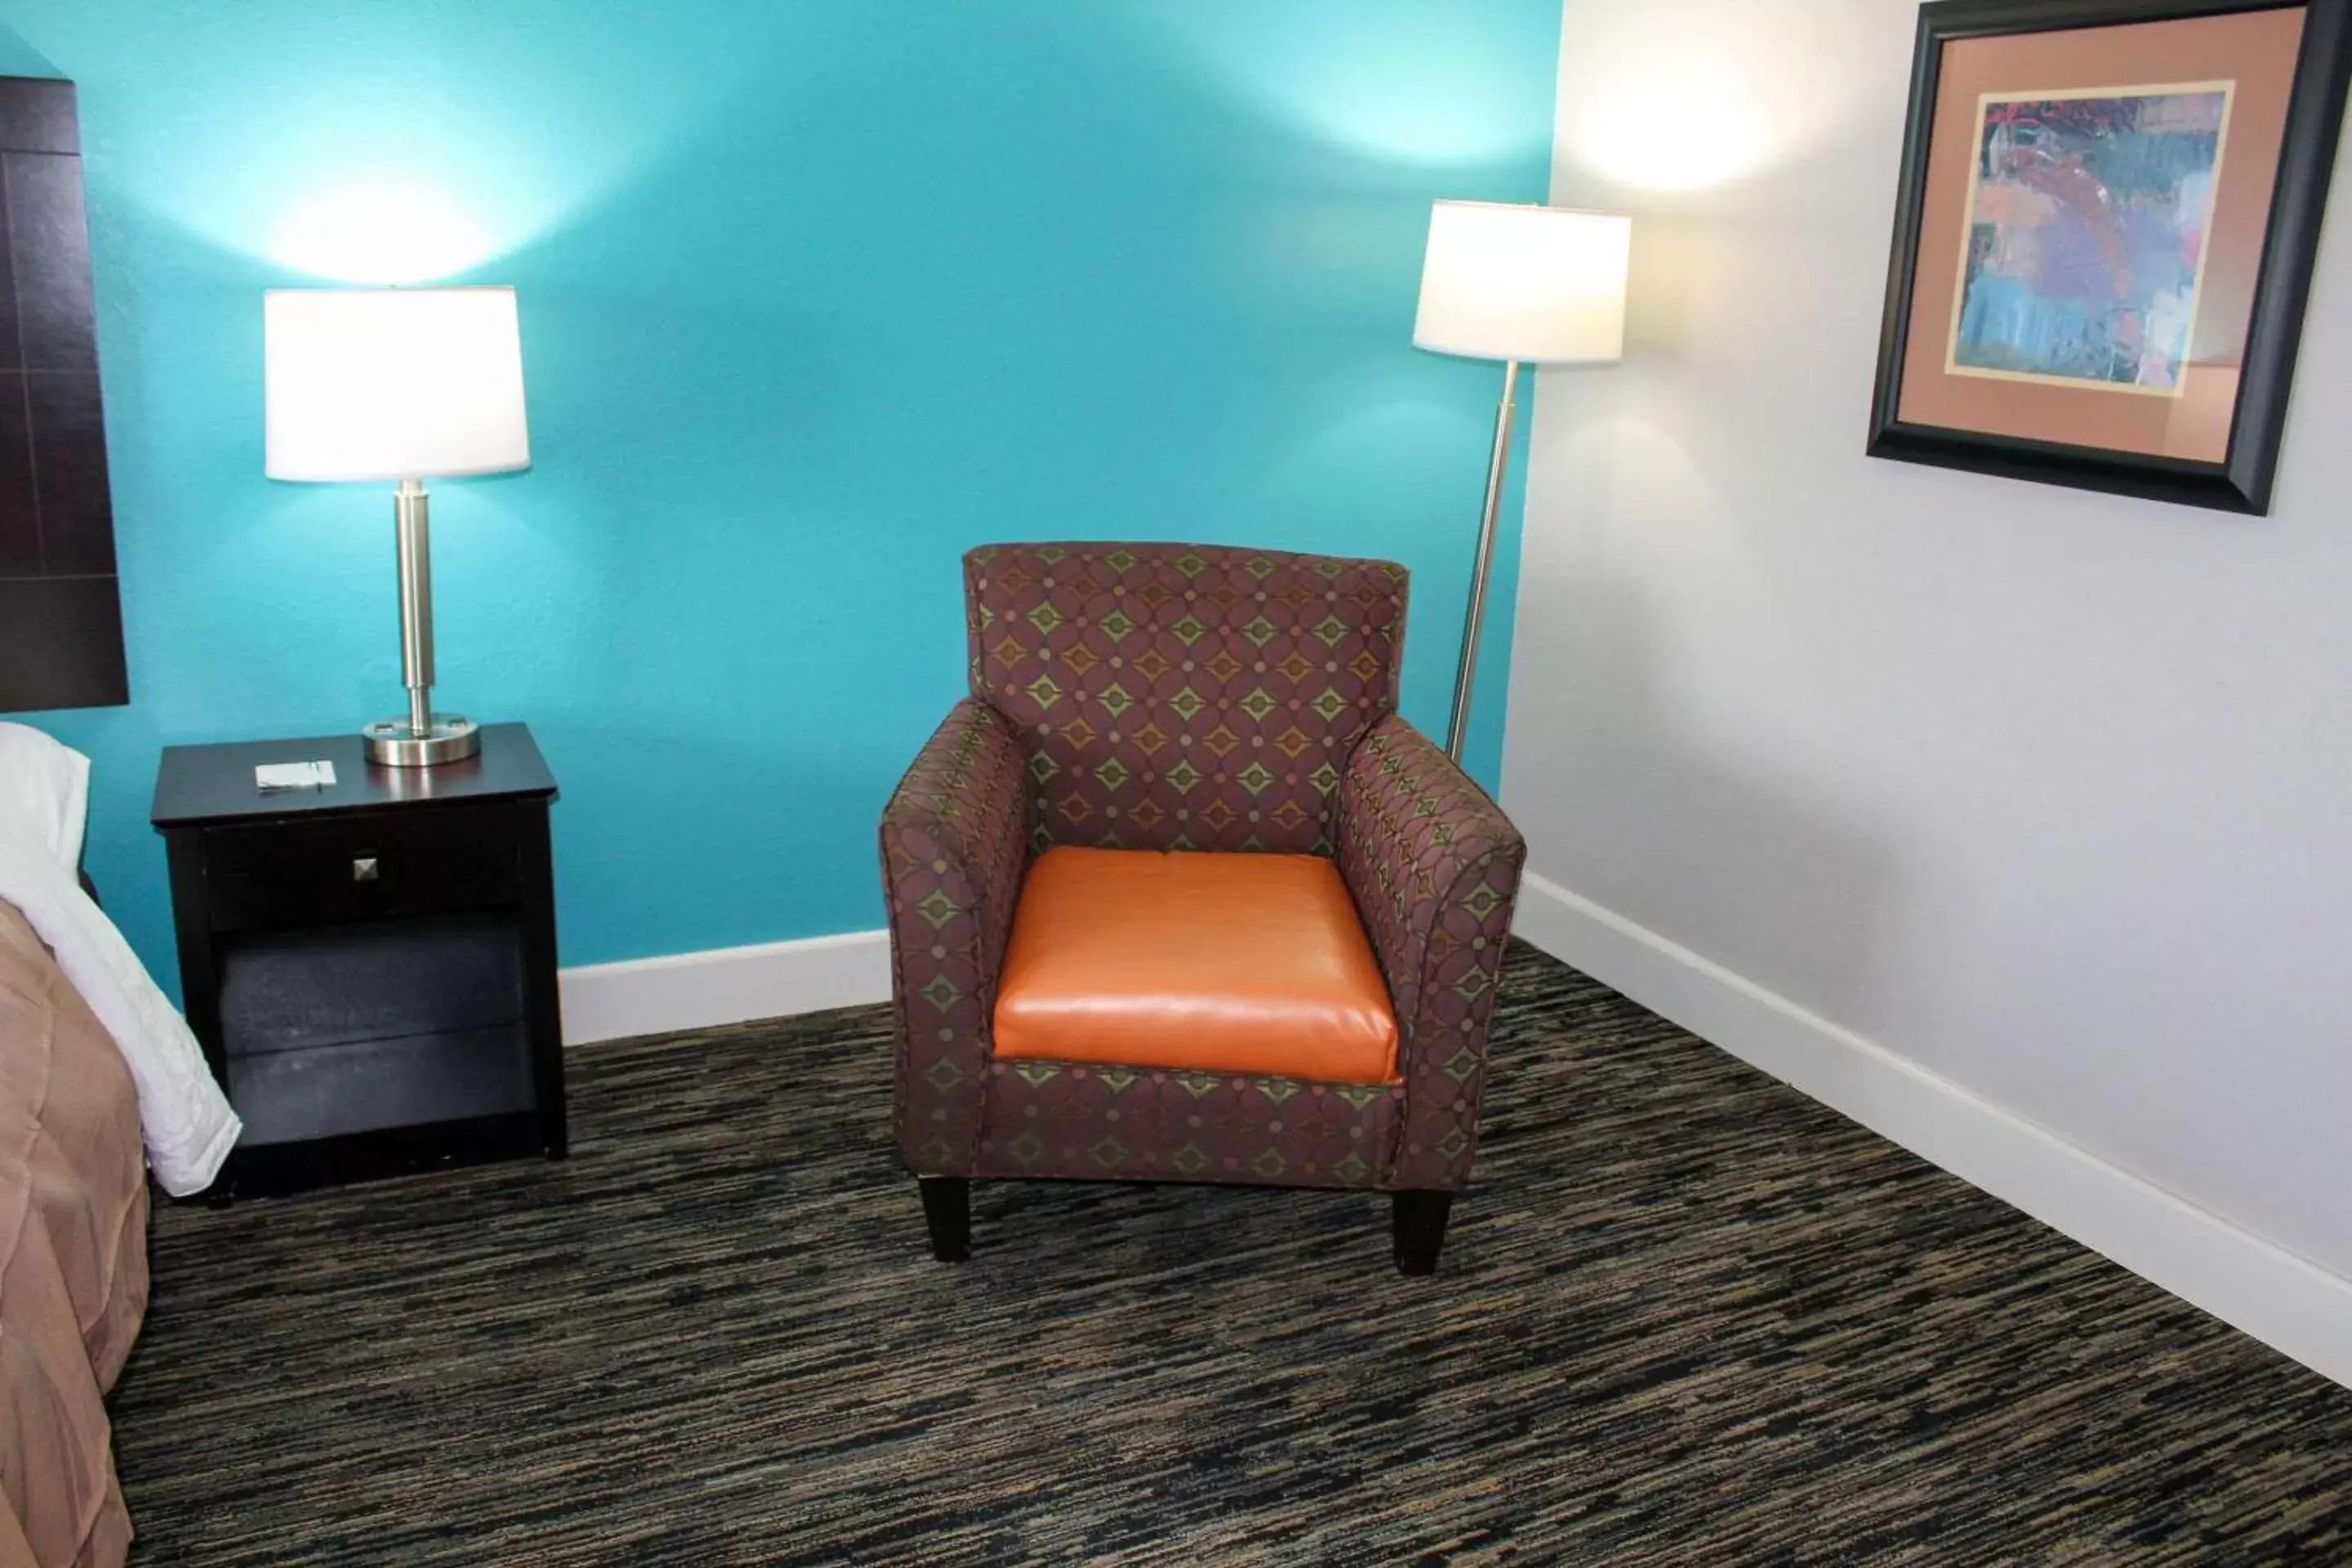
(2243, 480)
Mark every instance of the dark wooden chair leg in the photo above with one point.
(1420, 1221)
(946, 1210)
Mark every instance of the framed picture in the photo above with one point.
(2104, 239)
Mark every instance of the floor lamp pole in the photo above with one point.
(1497, 467)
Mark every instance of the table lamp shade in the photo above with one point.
(1541, 285)
(393, 383)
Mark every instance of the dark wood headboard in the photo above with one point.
(60, 616)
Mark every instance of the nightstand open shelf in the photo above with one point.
(371, 967)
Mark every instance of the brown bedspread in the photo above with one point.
(73, 1261)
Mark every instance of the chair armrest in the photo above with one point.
(955, 843)
(1435, 868)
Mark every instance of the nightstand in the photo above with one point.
(370, 967)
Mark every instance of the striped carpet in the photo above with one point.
(1688, 1317)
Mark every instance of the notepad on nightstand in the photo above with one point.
(269, 778)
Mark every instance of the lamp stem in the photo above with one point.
(412, 532)
(1497, 466)
(425, 738)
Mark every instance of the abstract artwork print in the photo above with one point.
(2087, 247)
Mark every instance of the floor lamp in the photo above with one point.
(1525, 285)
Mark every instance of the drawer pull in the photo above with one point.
(364, 869)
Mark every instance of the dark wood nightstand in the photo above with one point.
(370, 967)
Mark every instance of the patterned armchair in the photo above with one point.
(1176, 698)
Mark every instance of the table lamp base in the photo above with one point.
(446, 738)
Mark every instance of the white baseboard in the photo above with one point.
(726, 985)
(2288, 1302)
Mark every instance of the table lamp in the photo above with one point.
(1529, 285)
(400, 384)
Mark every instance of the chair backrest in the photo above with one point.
(1184, 696)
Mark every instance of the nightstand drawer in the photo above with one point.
(368, 866)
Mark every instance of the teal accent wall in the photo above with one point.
(814, 295)
(18, 57)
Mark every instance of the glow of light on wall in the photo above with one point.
(368, 145)
(1668, 134)
(1388, 121)
(1398, 80)
(1688, 95)
(380, 228)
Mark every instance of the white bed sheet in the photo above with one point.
(184, 1117)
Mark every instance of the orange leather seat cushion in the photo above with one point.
(1252, 963)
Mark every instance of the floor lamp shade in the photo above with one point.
(1527, 285)
(393, 383)
(1539, 285)
(402, 385)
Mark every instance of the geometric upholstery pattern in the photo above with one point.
(1434, 865)
(1179, 697)
(1174, 697)
(955, 842)
(1090, 1122)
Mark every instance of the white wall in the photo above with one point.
(2048, 795)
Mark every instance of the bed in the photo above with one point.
(101, 1086)
(73, 1235)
